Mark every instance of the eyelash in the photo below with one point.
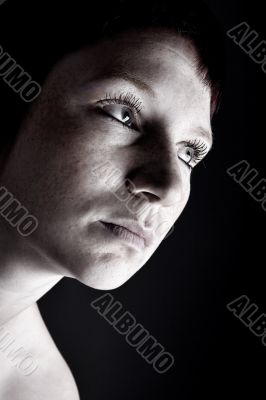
(135, 104)
(127, 99)
(199, 148)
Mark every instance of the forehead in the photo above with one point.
(158, 63)
(151, 53)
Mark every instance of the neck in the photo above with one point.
(25, 273)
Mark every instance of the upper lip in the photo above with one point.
(135, 228)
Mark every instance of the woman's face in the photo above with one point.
(127, 113)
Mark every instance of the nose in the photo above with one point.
(158, 176)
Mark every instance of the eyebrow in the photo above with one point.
(120, 74)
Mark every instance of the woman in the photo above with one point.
(130, 97)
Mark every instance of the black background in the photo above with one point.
(215, 254)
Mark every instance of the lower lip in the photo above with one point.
(124, 234)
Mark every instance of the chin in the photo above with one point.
(105, 276)
(103, 284)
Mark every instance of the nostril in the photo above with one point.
(130, 186)
(132, 189)
(152, 197)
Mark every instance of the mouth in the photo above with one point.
(128, 235)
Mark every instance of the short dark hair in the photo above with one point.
(45, 34)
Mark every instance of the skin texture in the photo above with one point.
(65, 138)
(67, 135)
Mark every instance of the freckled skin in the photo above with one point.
(64, 138)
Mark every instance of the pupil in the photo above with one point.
(189, 153)
(126, 116)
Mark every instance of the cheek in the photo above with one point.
(184, 197)
(186, 192)
(182, 201)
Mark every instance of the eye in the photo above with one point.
(123, 108)
(121, 113)
(192, 152)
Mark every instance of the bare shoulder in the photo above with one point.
(44, 374)
(56, 373)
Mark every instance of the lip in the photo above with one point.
(131, 232)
